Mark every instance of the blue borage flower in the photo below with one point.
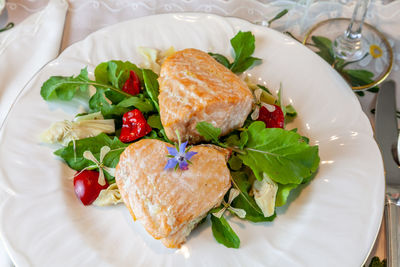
(179, 156)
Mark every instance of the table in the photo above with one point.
(86, 16)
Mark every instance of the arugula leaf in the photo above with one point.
(151, 85)
(282, 155)
(234, 140)
(64, 88)
(208, 131)
(115, 72)
(138, 101)
(223, 232)
(235, 163)
(243, 45)
(221, 59)
(283, 193)
(325, 48)
(74, 157)
(244, 201)
(155, 122)
(98, 102)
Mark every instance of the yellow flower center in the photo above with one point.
(375, 51)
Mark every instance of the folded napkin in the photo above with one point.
(28, 47)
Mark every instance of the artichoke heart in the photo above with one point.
(265, 194)
(108, 196)
(153, 58)
(81, 127)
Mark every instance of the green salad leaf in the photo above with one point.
(73, 154)
(139, 101)
(243, 45)
(65, 88)
(244, 201)
(283, 193)
(208, 131)
(221, 59)
(282, 155)
(235, 163)
(115, 72)
(151, 85)
(223, 232)
(155, 122)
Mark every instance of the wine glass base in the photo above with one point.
(349, 50)
(376, 56)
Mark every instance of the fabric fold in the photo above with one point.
(26, 48)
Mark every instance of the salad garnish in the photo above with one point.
(233, 193)
(179, 155)
(99, 163)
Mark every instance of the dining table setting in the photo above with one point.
(325, 71)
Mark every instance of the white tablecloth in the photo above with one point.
(86, 16)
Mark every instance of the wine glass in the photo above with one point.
(357, 50)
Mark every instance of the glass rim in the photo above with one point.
(384, 75)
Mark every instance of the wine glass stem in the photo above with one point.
(357, 20)
(351, 46)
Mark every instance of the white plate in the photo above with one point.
(332, 222)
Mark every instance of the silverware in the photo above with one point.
(386, 134)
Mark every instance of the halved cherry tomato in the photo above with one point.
(86, 186)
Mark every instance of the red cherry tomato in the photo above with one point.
(86, 186)
(132, 85)
(274, 119)
(134, 126)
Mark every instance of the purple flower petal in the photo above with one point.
(183, 165)
(182, 147)
(172, 151)
(189, 155)
(171, 163)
